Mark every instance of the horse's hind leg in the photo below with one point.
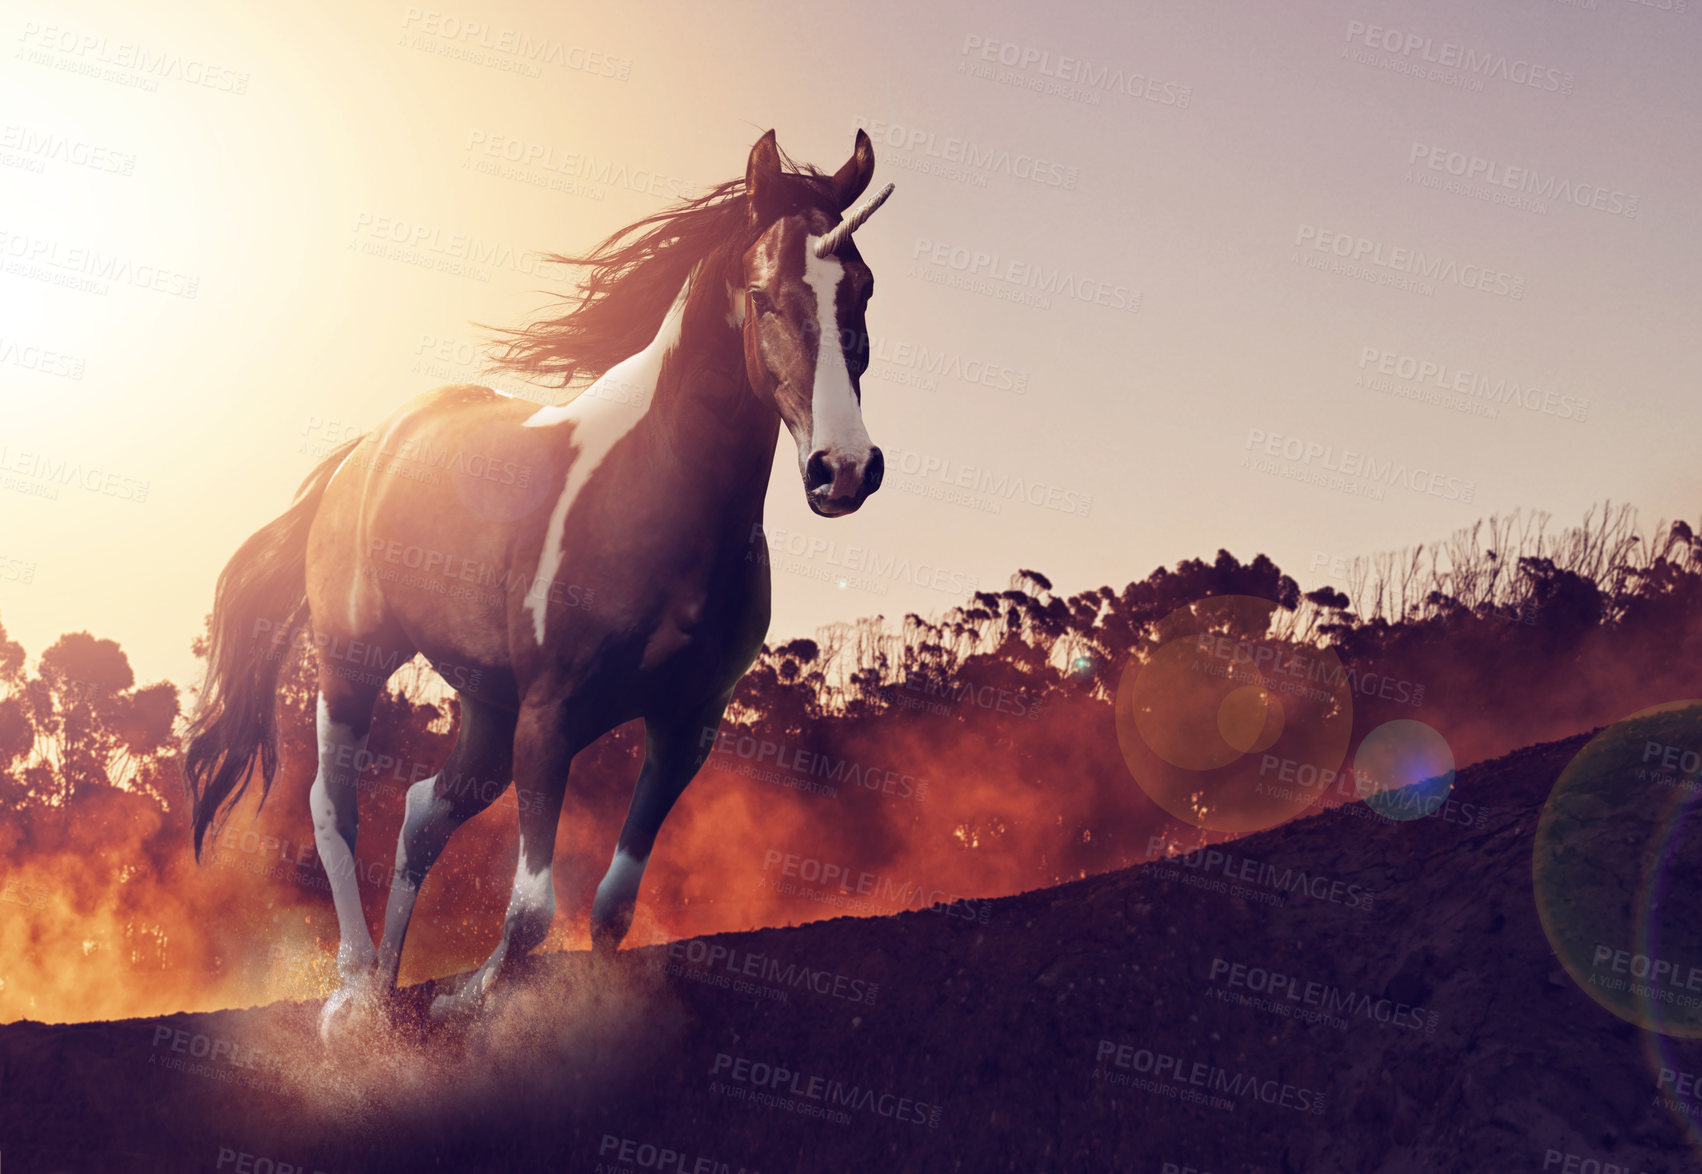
(544, 746)
(470, 780)
(674, 750)
(344, 719)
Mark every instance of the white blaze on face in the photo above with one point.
(837, 416)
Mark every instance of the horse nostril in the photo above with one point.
(875, 470)
(816, 473)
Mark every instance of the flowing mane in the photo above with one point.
(634, 275)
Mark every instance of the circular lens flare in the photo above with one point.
(1404, 770)
(1617, 869)
(1250, 719)
(1228, 727)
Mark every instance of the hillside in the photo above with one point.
(1006, 1035)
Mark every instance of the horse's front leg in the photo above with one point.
(474, 775)
(675, 748)
(544, 746)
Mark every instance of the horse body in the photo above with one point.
(648, 570)
(565, 568)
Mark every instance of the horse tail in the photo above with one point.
(259, 604)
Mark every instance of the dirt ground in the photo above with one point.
(1127, 1022)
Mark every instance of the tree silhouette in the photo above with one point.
(1003, 705)
(81, 722)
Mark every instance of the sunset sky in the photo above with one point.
(1152, 283)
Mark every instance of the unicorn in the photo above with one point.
(564, 568)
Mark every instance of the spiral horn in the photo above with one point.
(829, 244)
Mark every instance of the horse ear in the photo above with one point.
(851, 180)
(763, 182)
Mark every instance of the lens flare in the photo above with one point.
(1227, 726)
(1250, 719)
(1404, 769)
(1617, 869)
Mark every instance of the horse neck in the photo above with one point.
(705, 419)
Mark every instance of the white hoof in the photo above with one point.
(465, 1001)
(346, 1011)
(355, 1004)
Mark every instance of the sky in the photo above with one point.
(1314, 279)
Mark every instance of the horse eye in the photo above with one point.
(857, 353)
(760, 302)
